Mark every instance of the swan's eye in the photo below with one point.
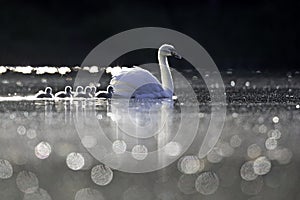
(175, 54)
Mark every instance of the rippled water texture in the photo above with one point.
(54, 162)
(46, 147)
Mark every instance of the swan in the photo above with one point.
(64, 94)
(139, 83)
(93, 92)
(105, 94)
(85, 94)
(79, 91)
(45, 94)
(88, 92)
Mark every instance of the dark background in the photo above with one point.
(243, 35)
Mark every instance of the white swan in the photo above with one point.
(139, 83)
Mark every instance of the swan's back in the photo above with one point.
(136, 82)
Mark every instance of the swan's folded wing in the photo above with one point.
(135, 81)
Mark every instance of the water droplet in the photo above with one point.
(31, 134)
(27, 182)
(101, 175)
(5, 81)
(275, 119)
(232, 83)
(207, 183)
(190, 164)
(139, 152)
(42, 150)
(26, 114)
(247, 171)
(235, 115)
(93, 69)
(224, 149)
(21, 130)
(172, 149)
(271, 143)
(262, 165)
(99, 116)
(43, 80)
(276, 134)
(247, 84)
(195, 78)
(261, 119)
(254, 151)
(88, 194)
(262, 129)
(75, 161)
(119, 146)
(235, 141)
(201, 115)
(6, 170)
(213, 156)
(12, 116)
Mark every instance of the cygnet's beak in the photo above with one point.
(176, 55)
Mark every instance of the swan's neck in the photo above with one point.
(166, 77)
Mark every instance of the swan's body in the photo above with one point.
(79, 91)
(139, 83)
(84, 94)
(105, 94)
(45, 94)
(64, 94)
(93, 91)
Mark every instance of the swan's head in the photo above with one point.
(168, 50)
(110, 89)
(68, 89)
(48, 90)
(79, 89)
(88, 89)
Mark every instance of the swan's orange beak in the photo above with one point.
(176, 55)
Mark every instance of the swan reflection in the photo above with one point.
(141, 118)
(131, 132)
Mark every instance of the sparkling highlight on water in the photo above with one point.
(101, 175)
(43, 150)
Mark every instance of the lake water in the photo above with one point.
(89, 149)
(51, 140)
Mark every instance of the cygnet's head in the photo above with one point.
(110, 89)
(68, 89)
(87, 89)
(79, 89)
(48, 90)
(168, 50)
